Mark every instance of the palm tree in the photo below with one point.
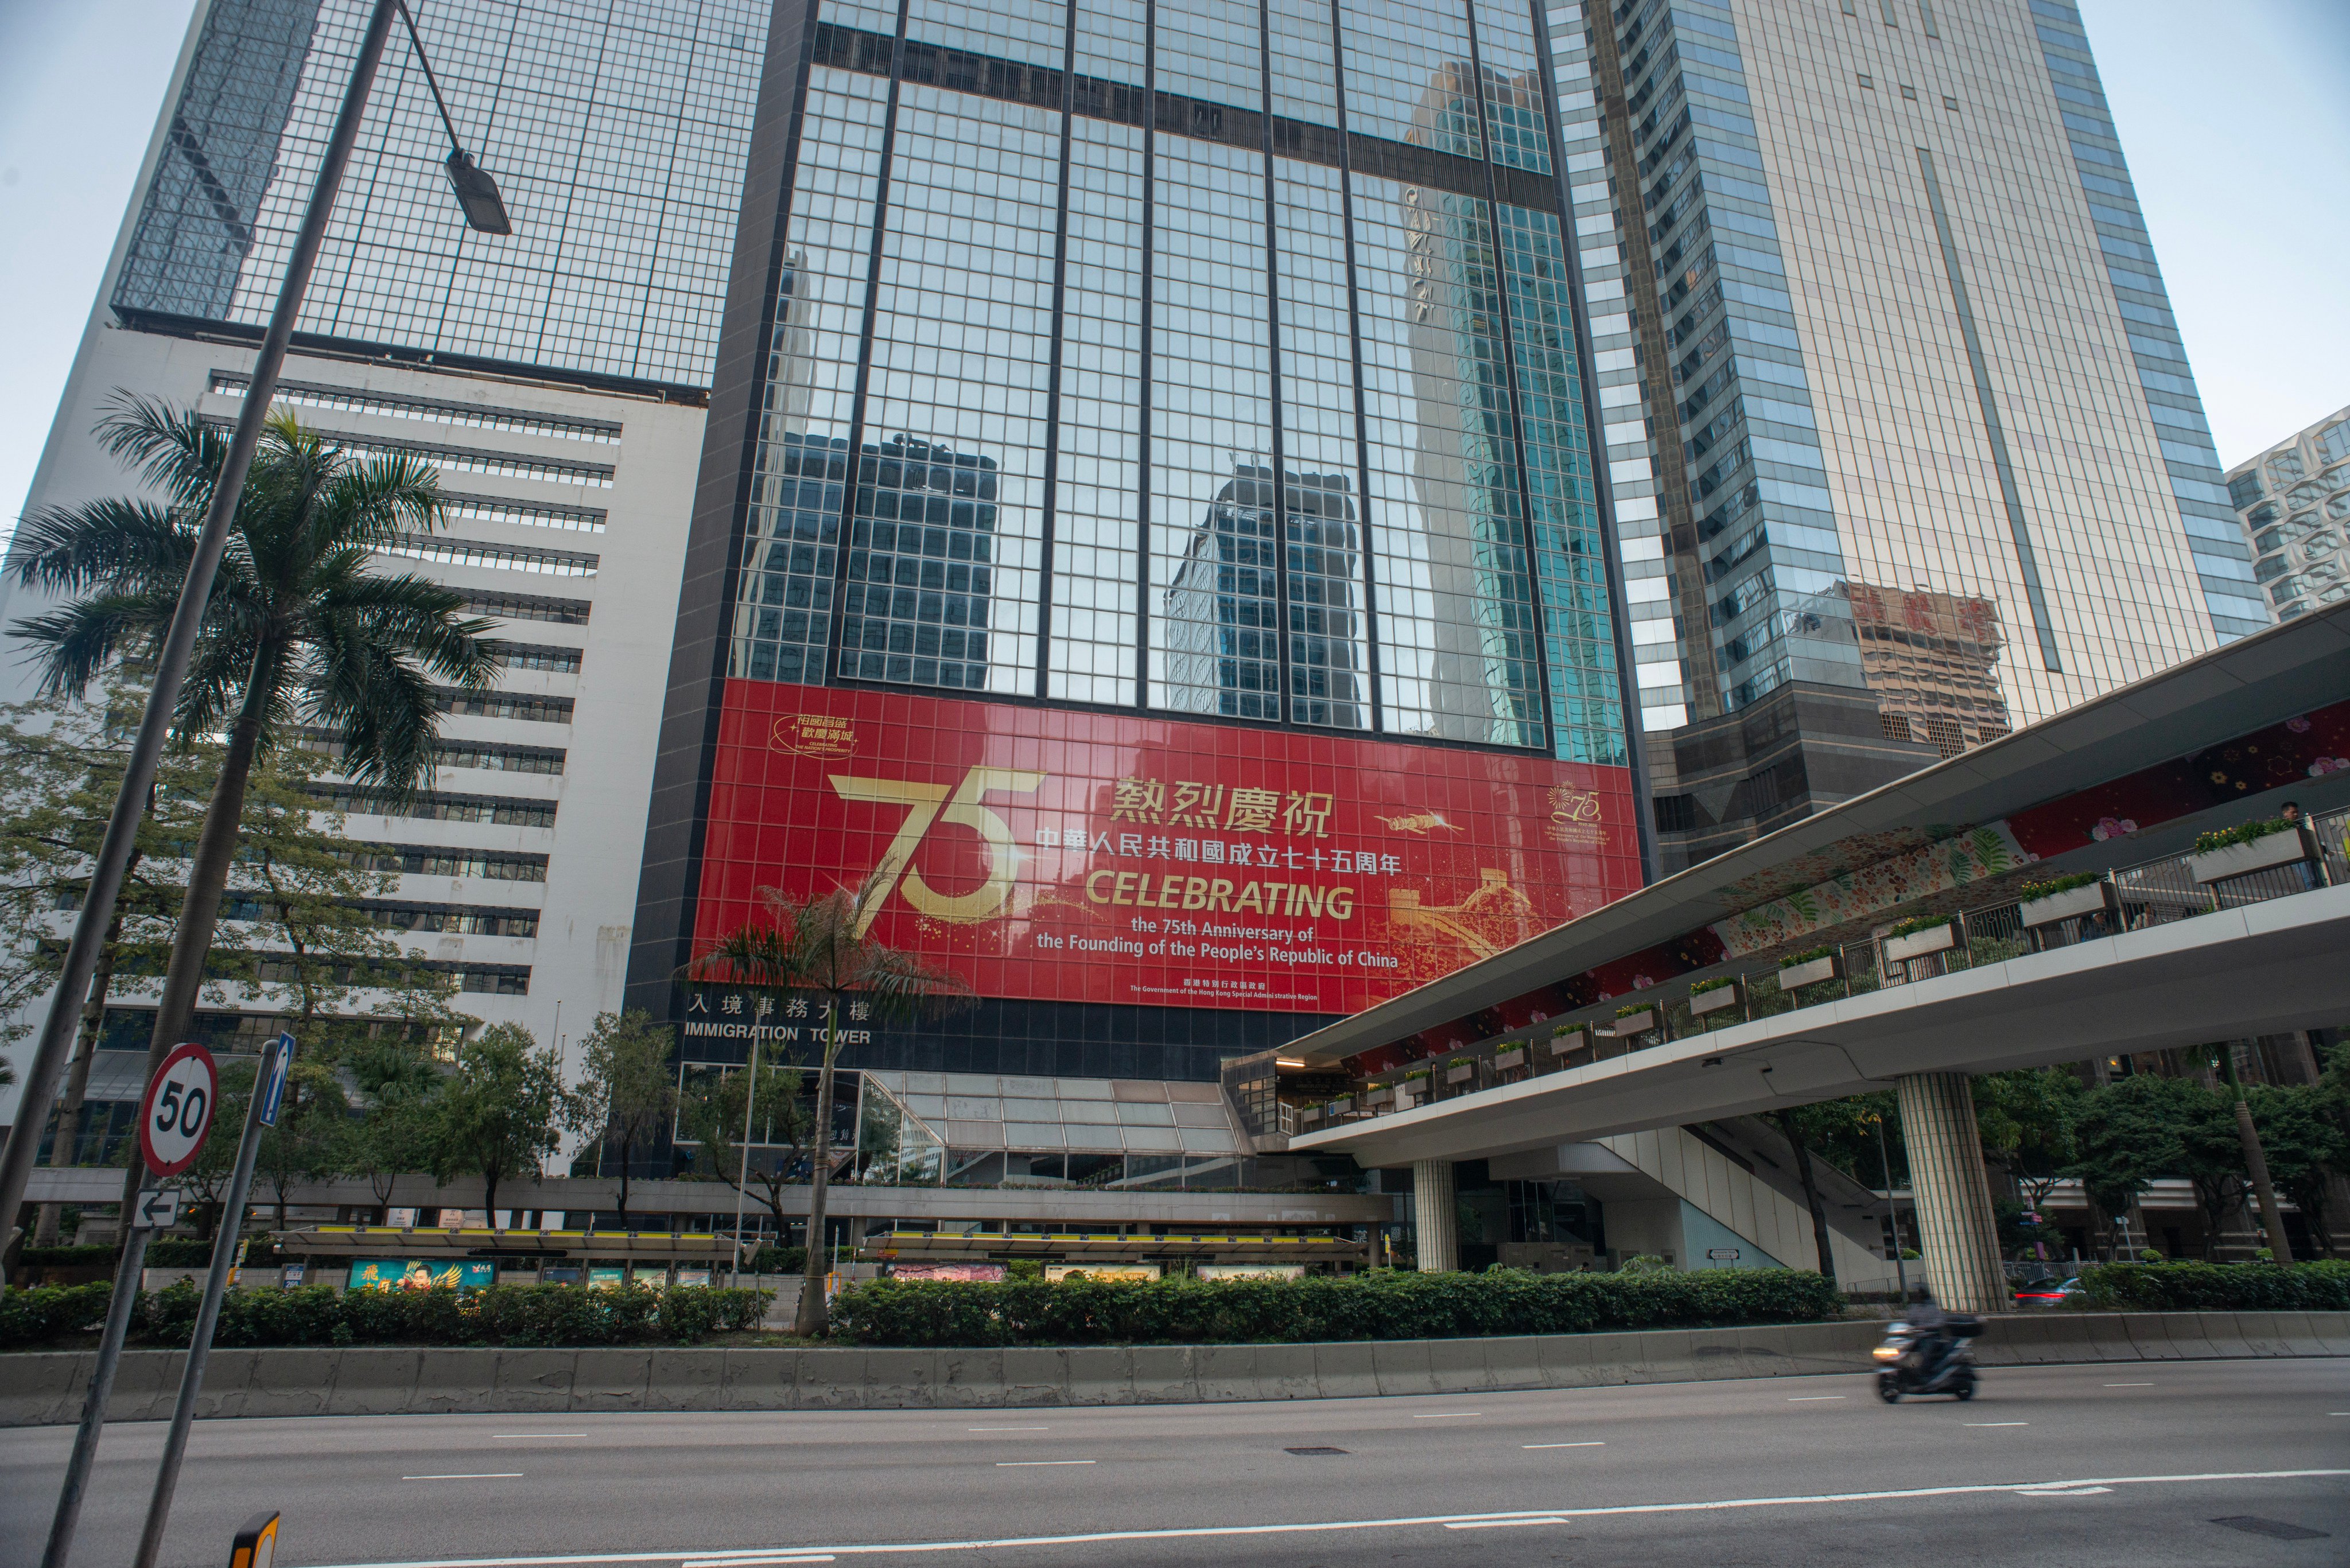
(297, 629)
(819, 944)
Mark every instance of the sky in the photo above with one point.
(2232, 113)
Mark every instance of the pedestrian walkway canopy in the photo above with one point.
(1527, 1047)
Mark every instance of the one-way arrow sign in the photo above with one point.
(159, 1209)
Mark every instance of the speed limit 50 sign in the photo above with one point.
(178, 1109)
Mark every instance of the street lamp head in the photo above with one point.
(477, 193)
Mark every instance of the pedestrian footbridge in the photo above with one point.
(2163, 866)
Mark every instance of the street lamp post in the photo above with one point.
(478, 195)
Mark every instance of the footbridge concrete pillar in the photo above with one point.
(1436, 1244)
(1952, 1193)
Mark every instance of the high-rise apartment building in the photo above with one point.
(2294, 500)
(1904, 446)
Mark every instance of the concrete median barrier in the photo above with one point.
(45, 1387)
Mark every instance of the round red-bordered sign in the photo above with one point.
(177, 1111)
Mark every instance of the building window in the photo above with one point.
(1909, 92)
(503, 705)
(1676, 813)
(1950, 103)
(1869, 81)
(528, 606)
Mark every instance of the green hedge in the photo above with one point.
(52, 1312)
(2218, 1287)
(1382, 1304)
(318, 1314)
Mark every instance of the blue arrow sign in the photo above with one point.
(272, 1092)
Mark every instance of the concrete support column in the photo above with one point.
(1959, 1236)
(1436, 1230)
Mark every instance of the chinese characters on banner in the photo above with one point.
(1097, 857)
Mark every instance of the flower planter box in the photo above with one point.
(1505, 1060)
(1639, 1023)
(2263, 854)
(1714, 1000)
(1568, 1044)
(1462, 1074)
(1371, 1099)
(2071, 904)
(1405, 1099)
(1812, 971)
(1920, 944)
(1340, 1108)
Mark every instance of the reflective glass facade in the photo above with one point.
(615, 129)
(2294, 501)
(1191, 359)
(1893, 401)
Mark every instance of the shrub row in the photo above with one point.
(1383, 1304)
(2219, 1287)
(318, 1314)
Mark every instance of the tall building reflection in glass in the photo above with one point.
(1256, 322)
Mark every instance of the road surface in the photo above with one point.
(2131, 1464)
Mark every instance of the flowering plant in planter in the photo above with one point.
(1810, 966)
(2033, 892)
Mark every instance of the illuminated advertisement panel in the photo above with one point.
(1074, 856)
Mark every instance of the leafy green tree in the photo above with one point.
(2028, 1120)
(312, 1140)
(299, 624)
(715, 1114)
(2127, 1134)
(819, 945)
(500, 1113)
(2306, 1149)
(396, 1078)
(627, 1095)
(1807, 1128)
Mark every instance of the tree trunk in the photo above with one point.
(813, 1318)
(192, 944)
(2256, 1162)
(490, 1196)
(1811, 1196)
(66, 1147)
(628, 1148)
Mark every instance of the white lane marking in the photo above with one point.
(1448, 1415)
(503, 1436)
(1998, 1423)
(1590, 1445)
(749, 1556)
(483, 1475)
(1812, 1398)
(2129, 1385)
(1504, 1523)
(753, 1562)
(1032, 1464)
(1007, 1429)
(2063, 1491)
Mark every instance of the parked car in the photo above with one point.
(2050, 1291)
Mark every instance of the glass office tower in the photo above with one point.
(1221, 466)
(1903, 441)
(616, 130)
(2294, 501)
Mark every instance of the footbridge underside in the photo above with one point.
(2262, 969)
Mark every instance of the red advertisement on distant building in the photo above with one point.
(1074, 857)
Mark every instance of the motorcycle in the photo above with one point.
(1927, 1358)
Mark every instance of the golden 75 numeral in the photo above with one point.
(926, 804)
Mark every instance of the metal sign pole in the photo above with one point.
(101, 1386)
(268, 1094)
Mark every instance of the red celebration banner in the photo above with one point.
(1074, 857)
